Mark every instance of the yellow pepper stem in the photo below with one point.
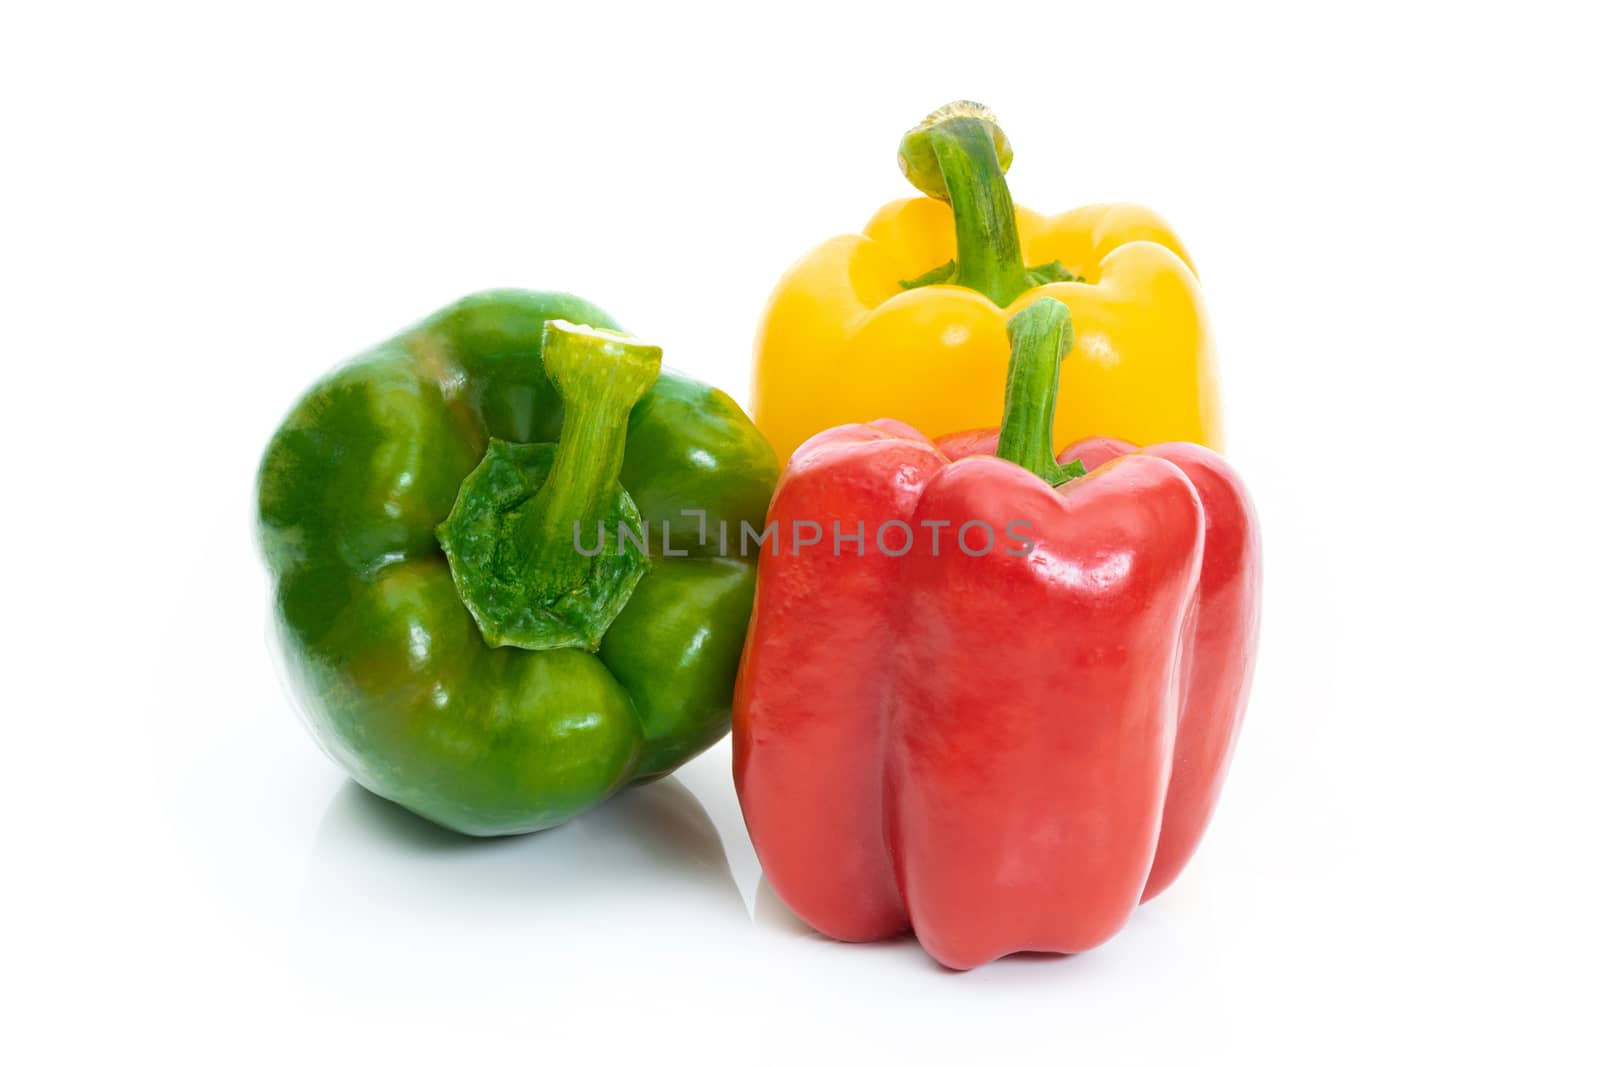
(959, 154)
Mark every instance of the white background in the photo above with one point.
(1393, 212)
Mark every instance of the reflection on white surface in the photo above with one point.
(371, 855)
(772, 914)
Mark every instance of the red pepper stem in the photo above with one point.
(1041, 334)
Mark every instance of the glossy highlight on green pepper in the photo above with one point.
(449, 645)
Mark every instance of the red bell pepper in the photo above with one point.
(1001, 750)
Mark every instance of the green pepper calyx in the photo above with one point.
(537, 540)
(959, 154)
(1041, 334)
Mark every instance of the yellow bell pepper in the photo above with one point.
(862, 328)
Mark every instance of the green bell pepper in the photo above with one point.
(468, 631)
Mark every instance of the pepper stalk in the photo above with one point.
(512, 537)
(1041, 335)
(959, 154)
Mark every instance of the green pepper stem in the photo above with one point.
(959, 154)
(600, 375)
(1041, 334)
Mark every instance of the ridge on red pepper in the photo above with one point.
(1001, 750)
